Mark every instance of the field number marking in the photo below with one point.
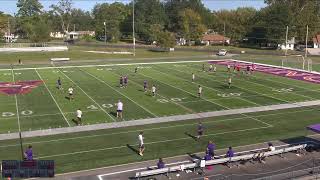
(283, 90)
(229, 94)
(171, 99)
(9, 74)
(9, 114)
(93, 107)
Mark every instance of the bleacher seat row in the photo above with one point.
(202, 163)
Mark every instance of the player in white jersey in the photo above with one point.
(119, 109)
(229, 82)
(214, 68)
(141, 143)
(193, 77)
(210, 68)
(70, 91)
(79, 116)
(153, 90)
(229, 67)
(199, 91)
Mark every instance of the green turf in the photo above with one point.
(86, 150)
(97, 90)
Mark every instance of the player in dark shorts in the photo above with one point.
(203, 68)
(248, 69)
(145, 85)
(121, 82)
(125, 79)
(59, 83)
(200, 130)
(136, 70)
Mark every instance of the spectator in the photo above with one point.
(271, 147)
(160, 164)
(210, 148)
(28, 154)
(230, 152)
(208, 157)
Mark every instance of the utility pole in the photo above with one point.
(224, 32)
(286, 41)
(133, 34)
(306, 49)
(105, 33)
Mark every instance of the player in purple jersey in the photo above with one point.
(145, 85)
(28, 154)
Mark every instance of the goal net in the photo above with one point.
(297, 62)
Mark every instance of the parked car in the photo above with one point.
(222, 52)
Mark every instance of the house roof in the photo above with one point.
(214, 37)
(316, 39)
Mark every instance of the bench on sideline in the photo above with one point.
(59, 59)
(252, 155)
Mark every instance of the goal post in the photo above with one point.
(296, 62)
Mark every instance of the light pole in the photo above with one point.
(133, 34)
(105, 33)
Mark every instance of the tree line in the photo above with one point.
(165, 20)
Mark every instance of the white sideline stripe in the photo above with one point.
(17, 108)
(171, 157)
(120, 93)
(153, 142)
(175, 118)
(133, 131)
(183, 90)
(87, 95)
(138, 169)
(64, 117)
(107, 65)
(149, 129)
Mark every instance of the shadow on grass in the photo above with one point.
(133, 149)
(113, 114)
(192, 136)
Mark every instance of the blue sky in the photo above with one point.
(9, 6)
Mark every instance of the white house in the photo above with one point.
(56, 35)
(181, 42)
(9, 38)
(289, 46)
(316, 41)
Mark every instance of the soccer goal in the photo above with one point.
(296, 62)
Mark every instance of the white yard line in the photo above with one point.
(53, 114)
(87, 95)
(251, 102)
(102, 81)
(262, 94)
(183, 90)
(168, 99)
(64, 117)
(148, 143)
(16, 100)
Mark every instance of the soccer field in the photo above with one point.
(36, 103)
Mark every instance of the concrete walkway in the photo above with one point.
(74, 129)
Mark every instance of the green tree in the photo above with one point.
(82, 20)
(166, 39)
(191, 25)
(113, 15)
(148, 13)
(39, 31)
(63, 11)
(29, 8)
